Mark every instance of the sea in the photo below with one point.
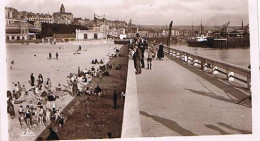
(236, 56)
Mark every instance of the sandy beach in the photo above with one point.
(34, 59)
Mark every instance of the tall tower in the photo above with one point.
(62, 8)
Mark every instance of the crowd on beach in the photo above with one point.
(37, 105)
(138, 46)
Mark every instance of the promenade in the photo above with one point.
(176, 99)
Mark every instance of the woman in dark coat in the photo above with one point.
(160, 51)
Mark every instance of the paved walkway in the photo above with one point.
(176, 99)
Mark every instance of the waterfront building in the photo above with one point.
(11, 15)
(63, 17)
(19, 30)
(90, 34)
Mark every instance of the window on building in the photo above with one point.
(85, 36)
(95, 36)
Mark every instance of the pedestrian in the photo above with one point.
(78, 71)
(28, 116)
(87, 106)
(138, 60)
(74, 87)
(97, 90)
(57, 55)
(160, 52)
(149, 59)
(40, 79)
(61, 121)
(32, 79)
(79, 49)
(21, 110)
(53, 135)
(142, 48)
(115, 99)
(48, 84)
(50, 55)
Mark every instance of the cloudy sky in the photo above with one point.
(146, 12)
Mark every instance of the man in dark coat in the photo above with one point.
(138, 60)
(32, 79)
(160, 51)
(141, 46)
(134, 58)
(115, 99)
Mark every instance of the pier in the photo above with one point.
(188, 95)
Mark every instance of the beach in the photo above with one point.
(34, 59)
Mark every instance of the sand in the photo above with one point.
(34, 59)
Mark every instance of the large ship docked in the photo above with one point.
(221, 38)
(197, 41)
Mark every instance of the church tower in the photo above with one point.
(62, 9)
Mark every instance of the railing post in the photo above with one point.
(202, 64)
(230, 78)
(227, 74)
(215, 70)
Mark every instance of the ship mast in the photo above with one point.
(201, 27)
(192, 30)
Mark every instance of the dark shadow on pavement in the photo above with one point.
(212, 95)
(217, 129)
(174, 126)
(228, 88)
(232, 128)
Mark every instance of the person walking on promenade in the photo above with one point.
(32, 79)
(50, 55)
(141, 46)
(160, 52)
(138, 57)
(87, 106)
(57, 55)
(149, 59)
(115, 99)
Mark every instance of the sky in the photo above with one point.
(146, 12)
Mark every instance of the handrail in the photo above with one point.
(213, 63)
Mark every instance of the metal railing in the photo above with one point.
(216, 66)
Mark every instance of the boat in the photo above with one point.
(200, 41)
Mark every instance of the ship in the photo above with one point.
(221, 38)
(201, 41)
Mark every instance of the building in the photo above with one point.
(63, 17)
(42, 18)
(79, 21)
(11, 15)
(90, 34)
(19, 30)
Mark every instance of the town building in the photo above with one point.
(42, 18)
(11, 15)
(90, 34)
(17, 27)
(63, 17)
